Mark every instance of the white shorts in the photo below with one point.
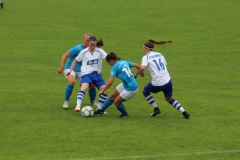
(77, 75)
(126, 95)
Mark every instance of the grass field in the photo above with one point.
(203, 62)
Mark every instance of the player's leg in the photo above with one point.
(146, 93)
(99, 83)
(91, 91)
(69, 87)
(86, 80)
(124, 96)
(81, 95)
(118, 103)
(109, 101)
(92, 94)
(168, 97)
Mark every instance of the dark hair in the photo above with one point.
(112, 56)
(150, 43)
(99, 43)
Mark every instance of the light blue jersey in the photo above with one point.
(74, 51)
(121, 69)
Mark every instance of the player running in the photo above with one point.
(161, 81)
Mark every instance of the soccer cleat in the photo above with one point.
(65, 105)
(94, 103)
(186, 115)
(122, 116)
(77, 109)
(155, 112)
(1, 4)
(97, 111)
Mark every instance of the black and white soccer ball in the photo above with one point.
(87, 111)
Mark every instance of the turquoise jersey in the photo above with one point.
(121, 69)
(74, 51)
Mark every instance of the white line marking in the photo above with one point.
(162, 155)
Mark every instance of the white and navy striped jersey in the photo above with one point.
(91, 62)
(157, 66)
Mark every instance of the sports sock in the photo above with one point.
(101, 100)
(150, 99)
(122, 109)
(92, 94)
(68, 92)
(177, 105)
(80, 97)
(106, 104)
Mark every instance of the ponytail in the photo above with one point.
(160, 42)
(150, 43)
(100, 43)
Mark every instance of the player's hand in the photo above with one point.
(60, 70)
(142, 74)
(100, 74)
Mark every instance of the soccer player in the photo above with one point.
(161, 81)
(76, 72)
(91, 58)
(125, 90)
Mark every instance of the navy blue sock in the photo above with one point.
(176, 105)
(150, 99)
(106, 104)
(92, 94)
(68, 92)
(122, 109)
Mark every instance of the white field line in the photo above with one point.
(161, 155)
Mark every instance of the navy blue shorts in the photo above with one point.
(166, 89)
(93, 78)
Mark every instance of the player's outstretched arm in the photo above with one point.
(142, 68)
(138, 67)
(108, 85)
(63, 61)
(72, 66)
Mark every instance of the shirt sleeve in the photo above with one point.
(113, 72)
(79, 58)
(144, 61)
(130, 63)
(104, 54)
(74, 51)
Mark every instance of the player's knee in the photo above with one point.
(168, 99)
(116, 103)
(72, 83)
(112, 97)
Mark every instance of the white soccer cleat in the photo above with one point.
(77, 109)
(65, 105)
(94, 103)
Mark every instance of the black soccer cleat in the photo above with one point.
(122, 116)
(97, 111)
(1, 4)
(155, 112)
(186, 115)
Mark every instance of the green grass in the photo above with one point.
(203, 62)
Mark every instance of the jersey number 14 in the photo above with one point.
(159, 64)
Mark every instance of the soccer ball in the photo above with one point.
(87, 111)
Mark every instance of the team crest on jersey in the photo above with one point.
(91, 62)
